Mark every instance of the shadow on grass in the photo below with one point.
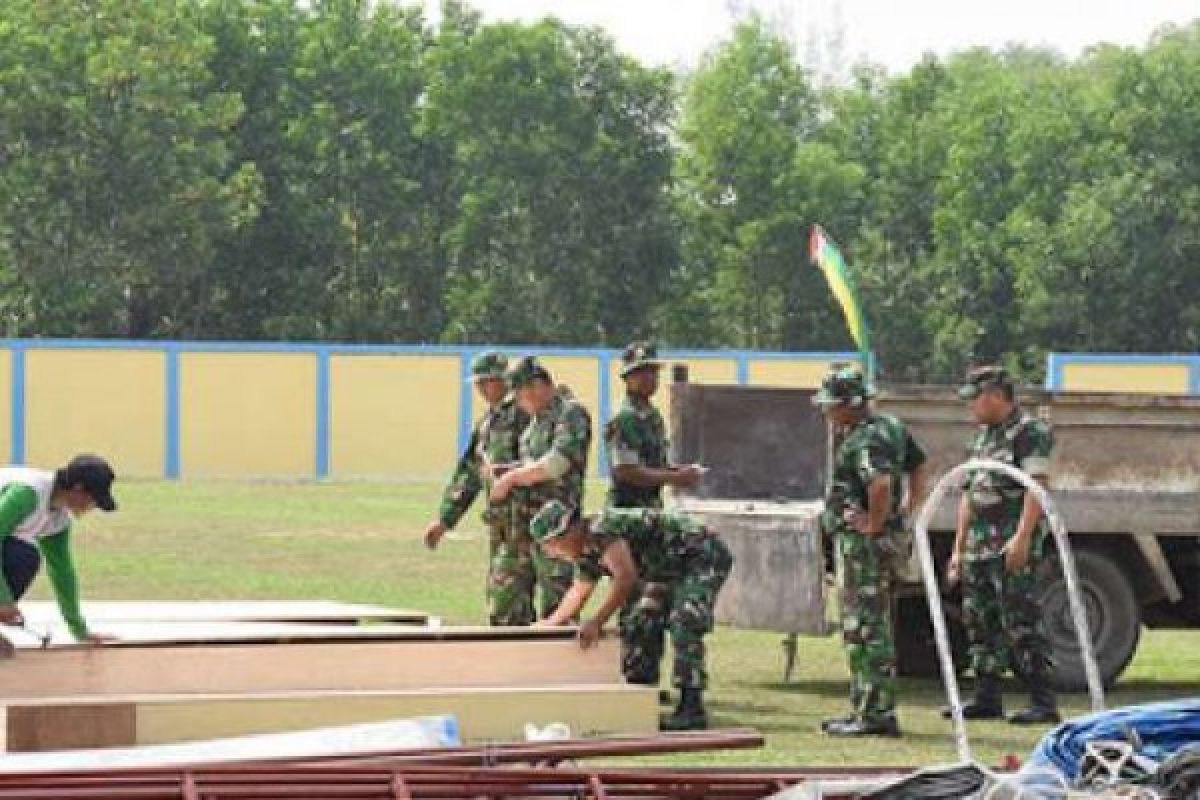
(1145, 686)
(746, 708)
(821, 688)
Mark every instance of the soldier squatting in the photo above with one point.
(528, 453)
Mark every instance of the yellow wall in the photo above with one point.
(778, 372)
(247, 414)
(1135, 378)
(393, 415)
(109, 402)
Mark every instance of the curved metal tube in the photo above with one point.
(933, 593)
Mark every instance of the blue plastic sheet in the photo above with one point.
(1163, 729)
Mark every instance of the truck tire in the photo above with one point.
(1114, 618)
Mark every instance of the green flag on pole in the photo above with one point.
(826, 255)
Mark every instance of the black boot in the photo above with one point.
(988, 702)
(834, 722)
(664, 697)
(885, 725)
(1043, 710)
(689, 715)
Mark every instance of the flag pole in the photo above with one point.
(828, 258)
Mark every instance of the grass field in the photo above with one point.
(361, 543)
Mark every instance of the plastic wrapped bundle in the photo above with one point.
(1157, 731)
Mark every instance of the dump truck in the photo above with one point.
(1125, 475)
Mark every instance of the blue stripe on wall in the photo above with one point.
(465, 423)
(604, 385)
(1054, 372)
(171, 458)
(322, 468)
(17, 431)
(323, 414)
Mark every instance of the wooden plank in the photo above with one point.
(336, 742)
(223, 611)
(484, 715)
(352, 665)
(152, 634)
(32, 729)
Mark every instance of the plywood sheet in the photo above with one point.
(309, 666)
(224, 611)
(351, 740)
(484, 715)
(164, 634)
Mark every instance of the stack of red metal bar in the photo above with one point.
(491, 772)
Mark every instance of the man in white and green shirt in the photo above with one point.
(36, 510)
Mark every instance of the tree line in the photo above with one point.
(345, 170)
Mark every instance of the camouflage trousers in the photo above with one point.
(865, 594)
(1002, 617)
(521, 580)
(684, 606)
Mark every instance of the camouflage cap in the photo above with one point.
(639, 355)
(844, 386)
(489, 364)
(552, 520)
(526, 370)
(980, 379)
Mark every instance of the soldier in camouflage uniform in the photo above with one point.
(636, 439)
(865, 514)
(493, 444)
(632, 545)
(999, 545)
(552, 456)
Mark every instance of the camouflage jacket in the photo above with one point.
(562, 434)
(636, 436)
(879, 444)
(660, 541)
(493, 441)
(997, 500)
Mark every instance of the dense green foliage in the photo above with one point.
(346, 170)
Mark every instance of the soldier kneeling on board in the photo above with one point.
(636, 547)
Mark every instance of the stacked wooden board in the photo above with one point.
(182, 674)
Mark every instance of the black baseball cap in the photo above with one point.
(95, 476)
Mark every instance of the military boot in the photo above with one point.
(1043, 709)
(988, 702)
(885, 725)
(689, 715)
(834, 722)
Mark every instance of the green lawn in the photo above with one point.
(361, 543)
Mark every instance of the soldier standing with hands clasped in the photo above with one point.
(865, 514)
(999, 543)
